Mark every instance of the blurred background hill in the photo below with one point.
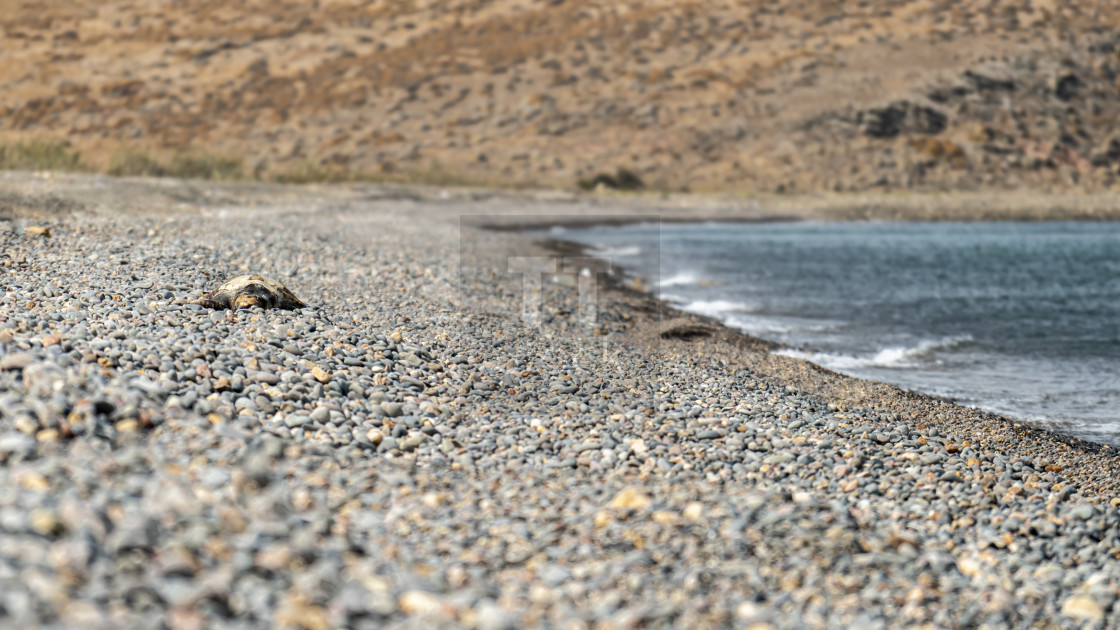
(749, 96)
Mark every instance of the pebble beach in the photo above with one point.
(408, 452)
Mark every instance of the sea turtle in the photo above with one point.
(246, 291)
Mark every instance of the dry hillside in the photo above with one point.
(754, 95)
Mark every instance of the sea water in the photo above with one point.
(1018, 318)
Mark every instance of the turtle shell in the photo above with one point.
(246, 291)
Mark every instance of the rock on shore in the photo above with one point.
(405, 452)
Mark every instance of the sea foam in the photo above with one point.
(922, 354)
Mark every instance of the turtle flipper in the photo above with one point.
(208, 301)
(288, 299)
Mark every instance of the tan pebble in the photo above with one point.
(969, 566)
(50, 340)
(78, 614)
(1082, 607)
(746, 610)
(273, 558)
(33, 481)
(45, 522)
(222, 385)
(603, 518)
(17, 361)
(26, 426)
(694, 512)
(662, 517)
(432, 499)
(47, 435)
(38, 230)
(375, 436)
(321, 375)
(232, 520)
(302, 499)
(127, 426)
(7, 335)
(299, 613)
(419, 603)
(631, 499)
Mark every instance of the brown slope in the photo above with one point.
(750, 95)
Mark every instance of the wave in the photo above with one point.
(762, 326)
(919, 355)
(746, 317)
(680, 278)
(718, 309)
(673, 298)
(617, 251)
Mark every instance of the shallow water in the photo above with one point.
(1018, 318)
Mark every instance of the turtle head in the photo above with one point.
(246, 301)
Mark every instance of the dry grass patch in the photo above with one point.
(40, 155)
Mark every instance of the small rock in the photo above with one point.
(45, 522)
(1082, 607)
(258, 376)
(1082, 512)
(490, 616)
(419, 603)
(13, 442)
(38, 230)
(296, 420)
(694, 512)
(17, 361)
(631, 499)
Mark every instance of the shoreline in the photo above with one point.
(713, 327)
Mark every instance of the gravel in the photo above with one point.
(406, 453)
